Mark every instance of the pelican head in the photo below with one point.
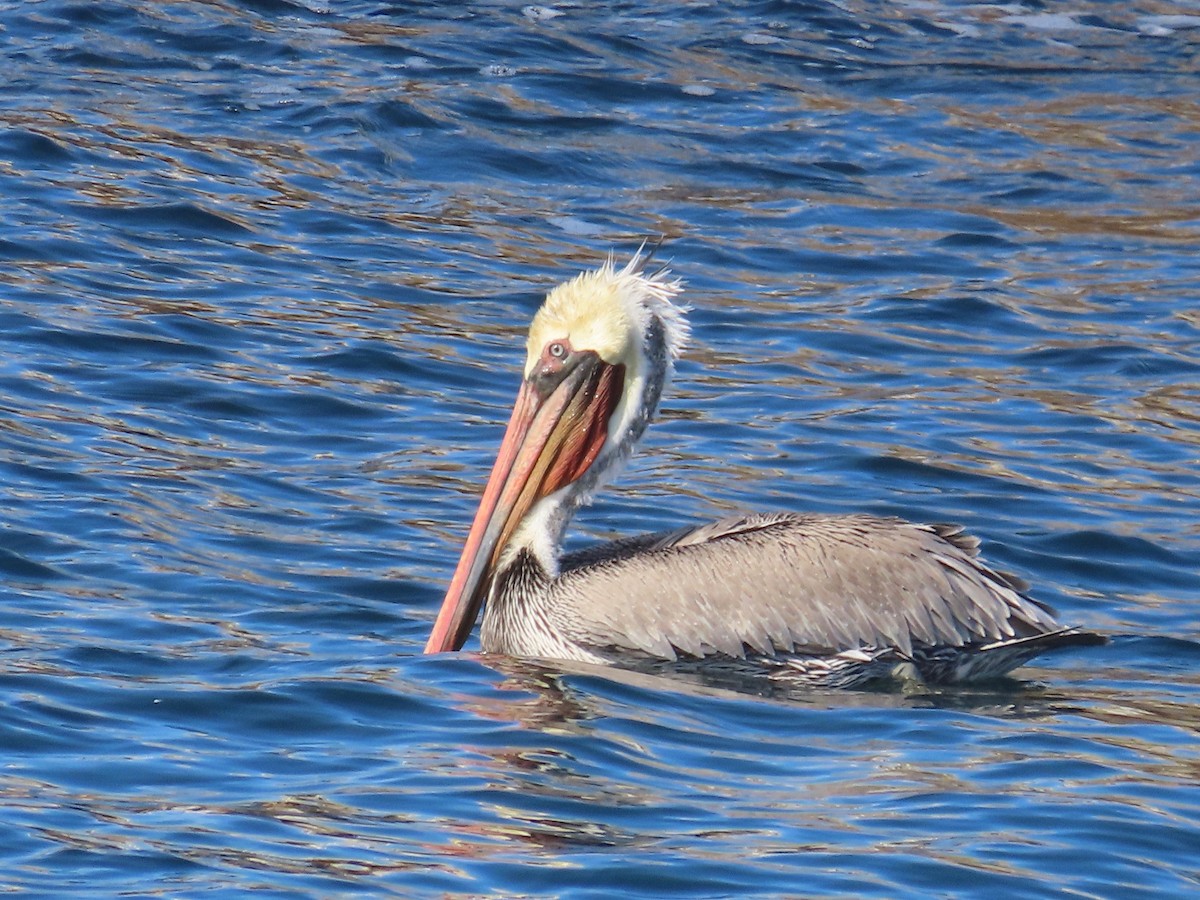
(599, 354)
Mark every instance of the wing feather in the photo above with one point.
(787, 583)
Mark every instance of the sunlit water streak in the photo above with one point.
(265, 271)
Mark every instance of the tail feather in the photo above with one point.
(1050, 640)
(950, 665)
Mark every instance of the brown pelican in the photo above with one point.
(802, 599)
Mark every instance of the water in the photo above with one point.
(265, 270)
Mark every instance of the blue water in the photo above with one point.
(265, 270)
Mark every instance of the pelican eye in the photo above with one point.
(555, 355)
(557, 359)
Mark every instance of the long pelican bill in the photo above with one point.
(558, 426)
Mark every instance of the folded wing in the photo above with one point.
(777, 584)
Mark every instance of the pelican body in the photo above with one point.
(835, 601)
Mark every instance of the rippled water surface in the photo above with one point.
(265, 269)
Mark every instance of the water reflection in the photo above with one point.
(267, 273)
(810, 781)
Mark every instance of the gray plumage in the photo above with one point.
(834, 601)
